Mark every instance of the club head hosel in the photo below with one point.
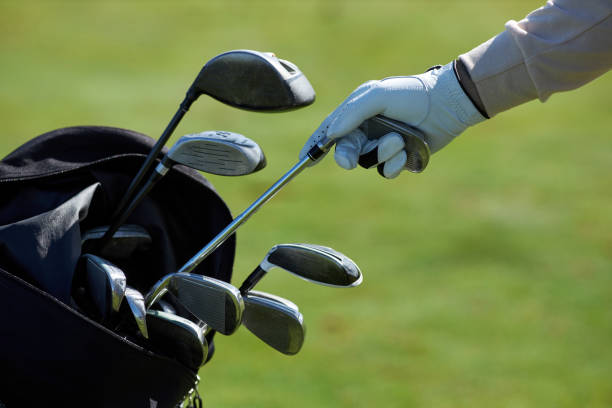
(251, 280)
(190, 97)
(157, 291)
(320, 149)
(162, 168)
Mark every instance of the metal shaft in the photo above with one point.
(229, 230)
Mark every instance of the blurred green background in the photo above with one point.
(487, 278)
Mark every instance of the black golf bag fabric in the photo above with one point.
(52, 189)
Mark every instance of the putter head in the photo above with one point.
(104, 284)
(123, 244)
(314, 263)
(218, 152)
(215, 302)
(253, 80)
(276, 323)
(178, 338)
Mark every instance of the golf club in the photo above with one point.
(216, 152)
(275, 298)
(313, 263)
(103, 284)
(215, 302)
(243, 79)
(178, 338)
(277, 323)
(136, 303)
(125, 240)
(318, 151)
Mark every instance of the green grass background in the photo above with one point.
(487, 278)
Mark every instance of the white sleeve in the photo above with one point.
(558, 47)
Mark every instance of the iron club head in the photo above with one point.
(314, 263)
(135, 301)
(104, 285)
(215, 302)
(178, 338)
(277, 323)
(125, 241)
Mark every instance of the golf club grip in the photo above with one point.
(415, 145)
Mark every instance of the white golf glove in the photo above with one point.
(432, 102)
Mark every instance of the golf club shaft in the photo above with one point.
(153, 179)
(313, 155)
(150, 160)
(251, 280)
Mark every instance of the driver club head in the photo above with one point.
(254, 80)
(217, 152)
(277, 323)
(215, 302)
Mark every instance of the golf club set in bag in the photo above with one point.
(104, 303)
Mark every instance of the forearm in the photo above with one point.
(558, 47)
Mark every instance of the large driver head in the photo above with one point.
(253, 80)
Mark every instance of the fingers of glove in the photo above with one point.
(380, 150)
(348, 149)
(316, 137)
(322, 131)
(356, 109)
(394, 166)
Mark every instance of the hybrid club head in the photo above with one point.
(217, 152)
(125, 241)
(215, 302)
(178, 338)
(104, 285)
(276, 323)
(136, 303)
(314, 263)
(254, 80)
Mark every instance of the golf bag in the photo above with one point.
(52, 189)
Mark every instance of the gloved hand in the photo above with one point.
(433, 102)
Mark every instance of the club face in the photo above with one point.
(136, 303)
(315, 263)
(215, 302)
(255, 81)
(273, 322)
(177, 337)
(128, 239)
(219, 152)
(105, 283)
